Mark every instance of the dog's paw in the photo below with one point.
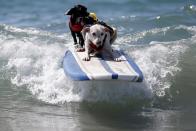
(87, 58)
(80, 49)
(117, 59)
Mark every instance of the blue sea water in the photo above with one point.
(35, 94)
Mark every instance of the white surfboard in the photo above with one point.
(101, 68)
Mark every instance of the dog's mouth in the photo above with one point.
(97, 46)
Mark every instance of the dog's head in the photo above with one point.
(77, 11)
(97, 34)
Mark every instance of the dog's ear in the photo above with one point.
(106, 29)
(84, 30)
(70, 11)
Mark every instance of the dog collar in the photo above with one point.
(93, 46)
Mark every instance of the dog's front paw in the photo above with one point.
(80, 50)
(87, 58)
(117, 59)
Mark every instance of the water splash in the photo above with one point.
(159, 63)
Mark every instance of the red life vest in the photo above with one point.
(76, 27)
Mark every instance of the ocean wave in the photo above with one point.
(165, 34)
(159, 63)
(37, 65)
(159, 60)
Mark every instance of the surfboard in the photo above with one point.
(101, 67)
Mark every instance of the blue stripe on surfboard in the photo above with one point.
(135, 67)
(108, 69)
(71, 67)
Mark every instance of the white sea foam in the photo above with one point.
(159, 63)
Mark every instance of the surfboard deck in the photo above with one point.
(100, 67)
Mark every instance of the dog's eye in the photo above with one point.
(93, 34)
(101, 34)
